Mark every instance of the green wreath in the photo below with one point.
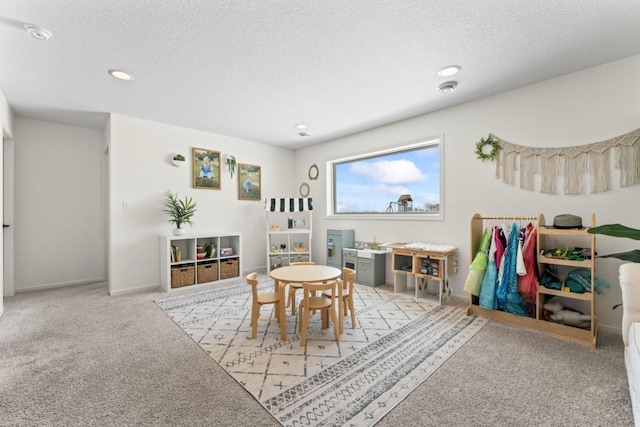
(495, 147)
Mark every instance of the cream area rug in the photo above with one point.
(397, 343)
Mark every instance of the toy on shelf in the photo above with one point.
(566, 316)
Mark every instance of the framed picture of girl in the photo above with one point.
(248, 182)
(206, 169)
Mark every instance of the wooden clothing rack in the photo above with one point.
(478, 225)
(583, 336)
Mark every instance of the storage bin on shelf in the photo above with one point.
(229, 268)
(183, 275)
(300, 258)
(207, 272)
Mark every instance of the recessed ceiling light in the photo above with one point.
(449, 71)
(301, 126)
(303, 134)
(38, 32)
(118, 74)
(447, 87)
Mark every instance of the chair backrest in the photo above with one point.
(303, 263)
(348, 277)
(252, 280)
(320, 287)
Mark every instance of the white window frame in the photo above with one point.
(421, 216)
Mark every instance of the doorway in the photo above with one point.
(7, 177)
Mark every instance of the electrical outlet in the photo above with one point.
(126, 205)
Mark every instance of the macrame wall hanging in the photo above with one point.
(573, 163)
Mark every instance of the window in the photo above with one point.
(403, 181)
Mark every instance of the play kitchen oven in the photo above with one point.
(350, 259)
(368, 264)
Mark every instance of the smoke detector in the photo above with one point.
(447, 87)
(38, 32)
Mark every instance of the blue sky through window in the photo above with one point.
(374, 184)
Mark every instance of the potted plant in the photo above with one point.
(178, 160)
(618, 230)
(231, 164)
(180, 211)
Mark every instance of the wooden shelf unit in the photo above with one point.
(546, 237)
(415, 269)
(190, 271)
(278, 234)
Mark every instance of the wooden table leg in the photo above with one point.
(281, 305)
(340, 310)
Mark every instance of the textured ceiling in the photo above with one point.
(253, 69)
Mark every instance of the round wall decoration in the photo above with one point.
(314, 171)
(487, 149)
(304, 189)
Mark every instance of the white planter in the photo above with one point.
(178, 231)
(178, 163)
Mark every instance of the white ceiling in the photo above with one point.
(252, 69)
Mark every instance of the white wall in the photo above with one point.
(58, 206)
(572, 110)
(141, 172)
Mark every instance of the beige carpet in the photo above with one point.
(397, 343)
(77, 357)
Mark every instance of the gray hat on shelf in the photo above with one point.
(565, 221)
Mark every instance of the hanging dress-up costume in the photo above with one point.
(488, 291)
(508, 297)
(528, 284)
(478, 266)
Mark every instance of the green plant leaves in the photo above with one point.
(616, 230)
(179, 211)
(632, 256)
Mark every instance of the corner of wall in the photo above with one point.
(6, 117)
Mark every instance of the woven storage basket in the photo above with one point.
(300, 258)
(207, 272)
(229, 269)
(183, 275)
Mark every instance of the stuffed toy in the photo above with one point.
(566, 316)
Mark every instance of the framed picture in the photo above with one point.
(248, 182)
(206, 169)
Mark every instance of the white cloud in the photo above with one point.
(389, 172)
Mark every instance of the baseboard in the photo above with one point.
(611, 329)
(58, 285)
(460, 298)
(127, 291)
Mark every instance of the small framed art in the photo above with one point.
(206, 169)
(248, 182)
